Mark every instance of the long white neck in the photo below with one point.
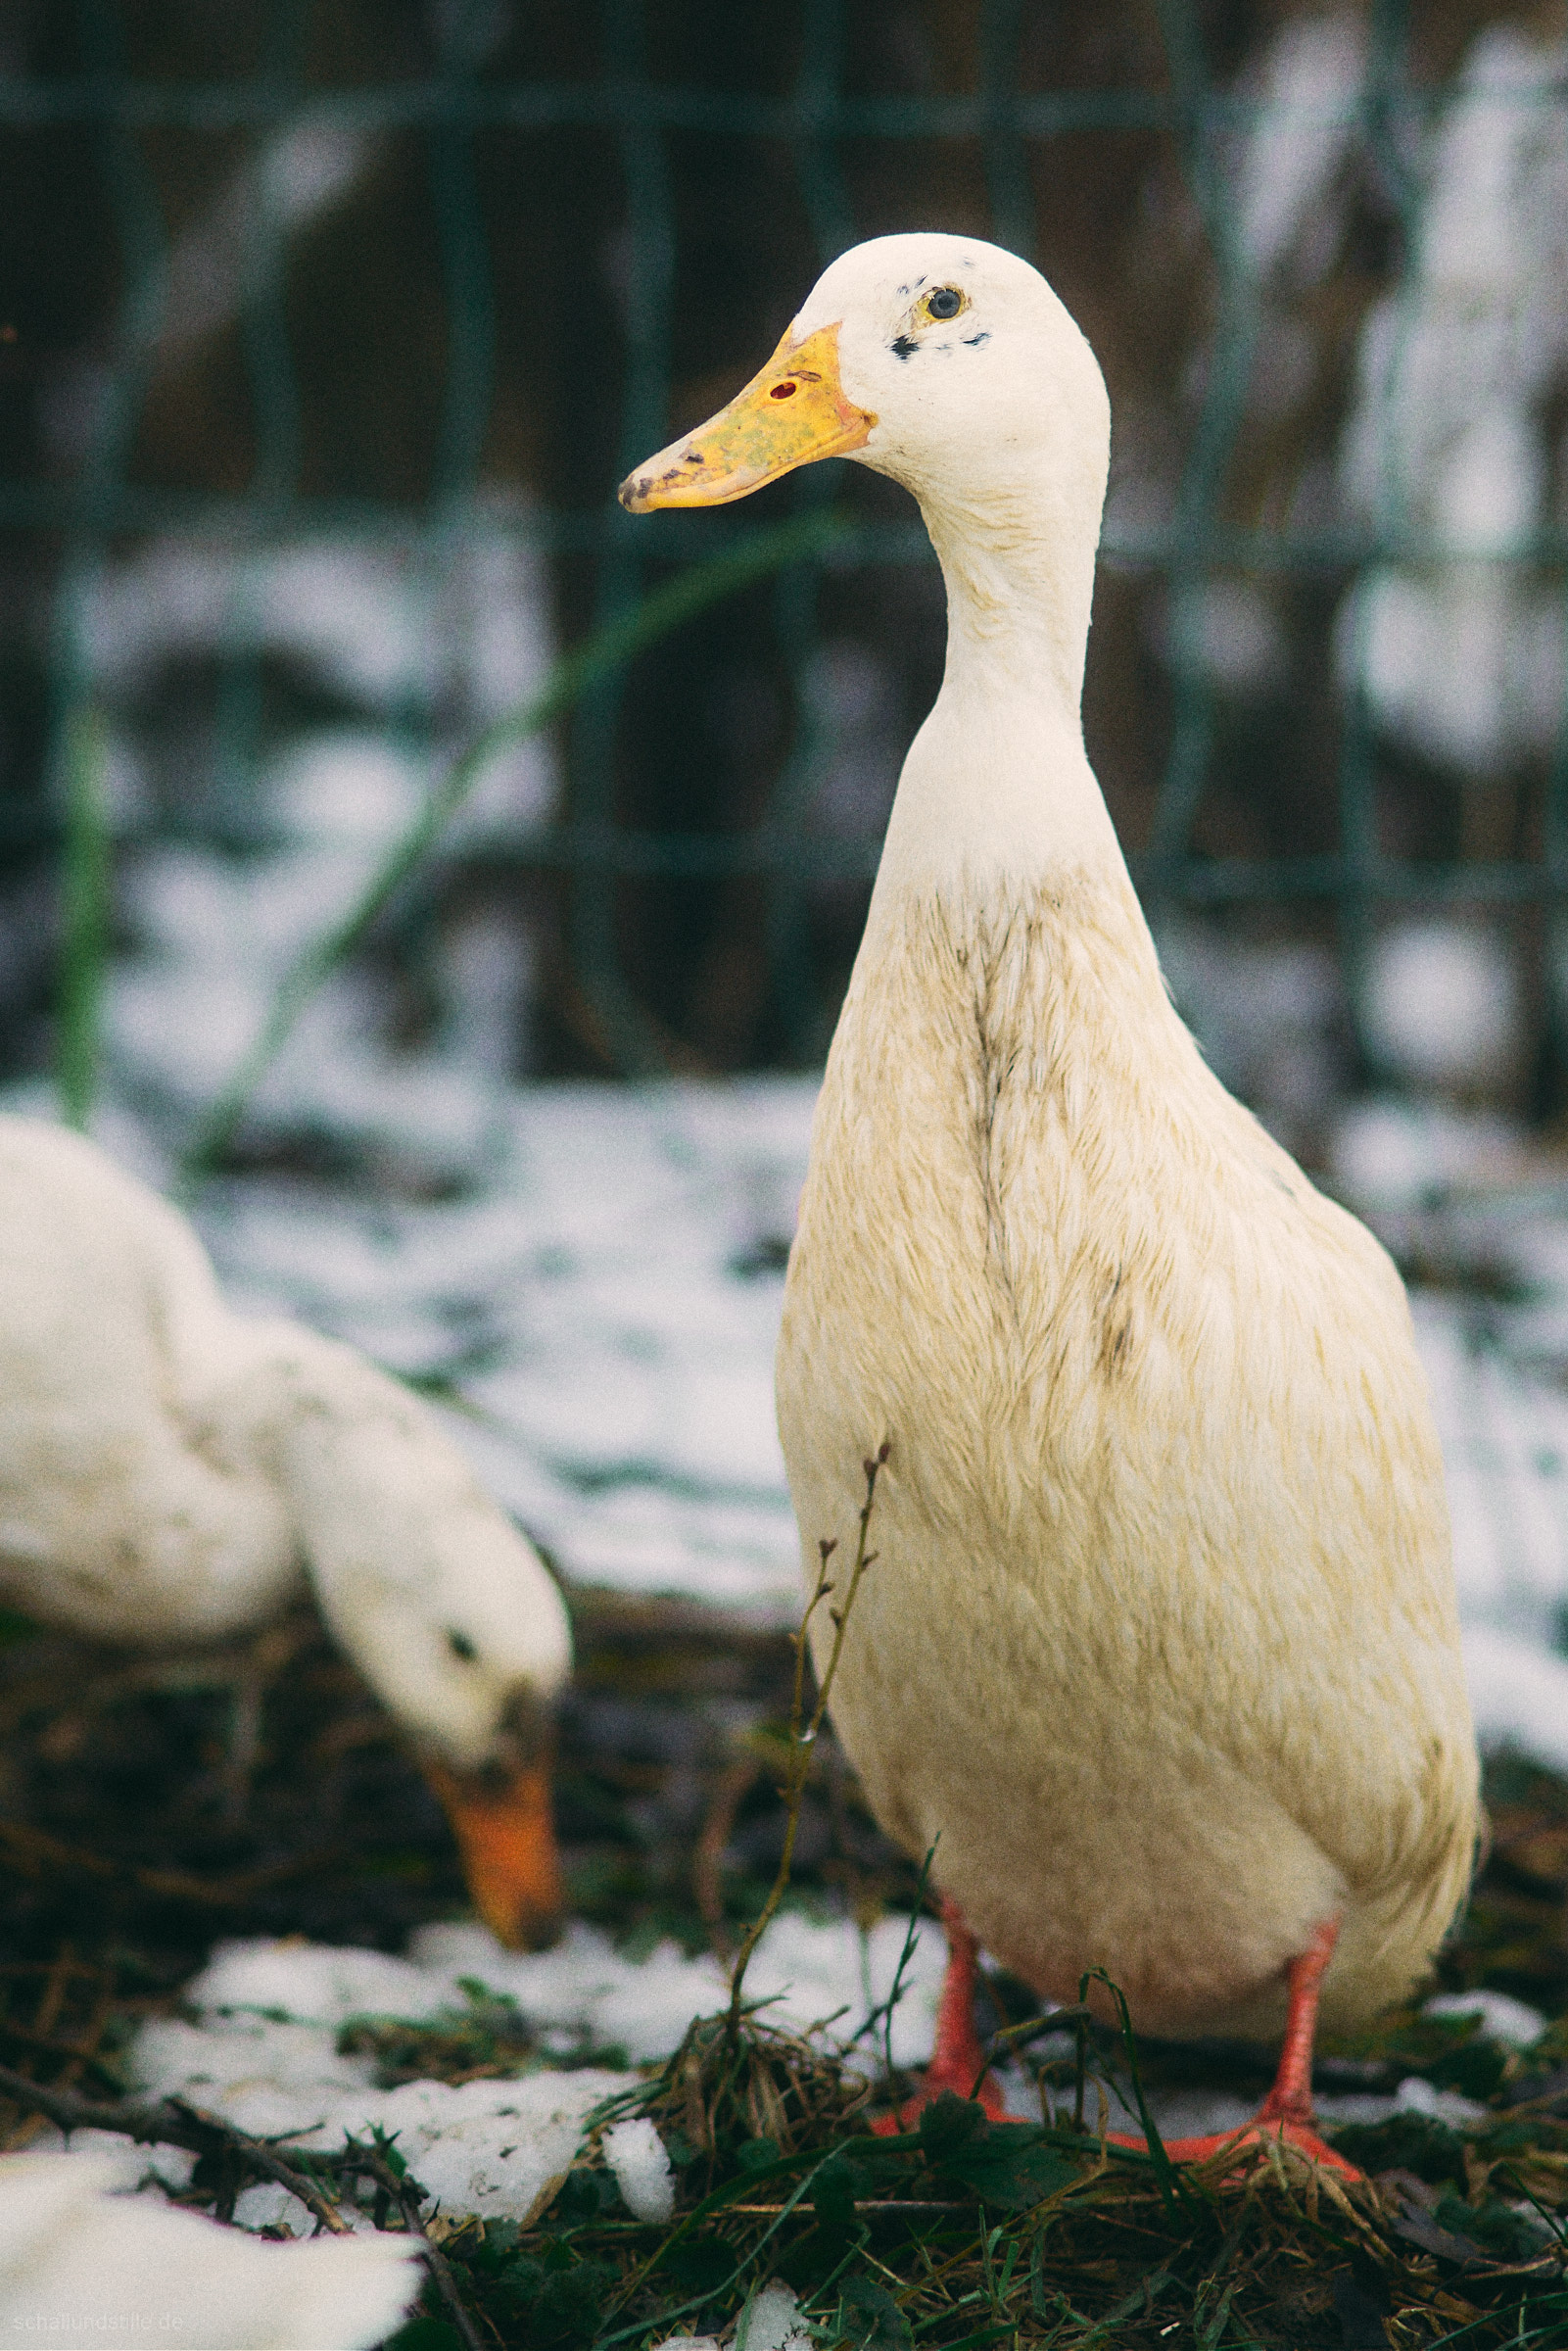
(1019, 567)
(997, 788)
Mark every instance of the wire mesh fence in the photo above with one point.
(330, 331)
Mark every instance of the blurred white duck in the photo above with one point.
(1160, 1650)
(81, 2269)
(171, 1473)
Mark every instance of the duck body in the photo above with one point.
(135, 1498)
(1159, 1651)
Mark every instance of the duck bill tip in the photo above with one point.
(505, 1838)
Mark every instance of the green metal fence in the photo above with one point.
(117, 95)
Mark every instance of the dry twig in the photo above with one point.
(406, 2192)
(735, 1783)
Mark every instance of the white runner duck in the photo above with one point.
(1160, 1650)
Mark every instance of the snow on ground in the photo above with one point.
(604, 1309)
(1462, 658)
(260, 2047)
(416, 647)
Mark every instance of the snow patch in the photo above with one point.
(637, 2155)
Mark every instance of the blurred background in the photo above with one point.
(327, 328)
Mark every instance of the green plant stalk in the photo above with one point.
(84, 916)
(911, 1935)
(1172, 2192)
(609, 648)
(802, 1744)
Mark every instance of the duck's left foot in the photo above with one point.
(1287, 2111)
(1240, 2142)
(958, 2061)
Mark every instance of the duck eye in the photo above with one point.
(945, 303)
(461, 1647)
(783, 391)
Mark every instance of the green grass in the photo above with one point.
(84, 915)
(962, 2232)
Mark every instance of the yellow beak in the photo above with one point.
(506, 1838)
(790, 414)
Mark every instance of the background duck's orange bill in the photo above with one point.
(790, 414)
(507, 1837)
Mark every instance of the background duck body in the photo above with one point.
(1160, 1649)
(171, 1473)
(134, 1505)
(83, 2267)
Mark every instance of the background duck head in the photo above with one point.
(451, 1615)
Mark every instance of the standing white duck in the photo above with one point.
(171, 1473)
(1161, 1651)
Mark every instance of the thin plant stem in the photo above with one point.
(406, 2194)
(883, 2013)
(911, 1932)
(803, 1741)
(608, 648)
(680, 2309)
(1172, 2192)
(84, 915)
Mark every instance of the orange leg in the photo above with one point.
(1287, 2111)
(958, 2061)
(1291, 2098)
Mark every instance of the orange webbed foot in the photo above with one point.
(1286, 2114)
(1241, 2143)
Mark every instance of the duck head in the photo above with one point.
(943, 361)
(449, 1613)
(951, 366)
(470, 1648)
